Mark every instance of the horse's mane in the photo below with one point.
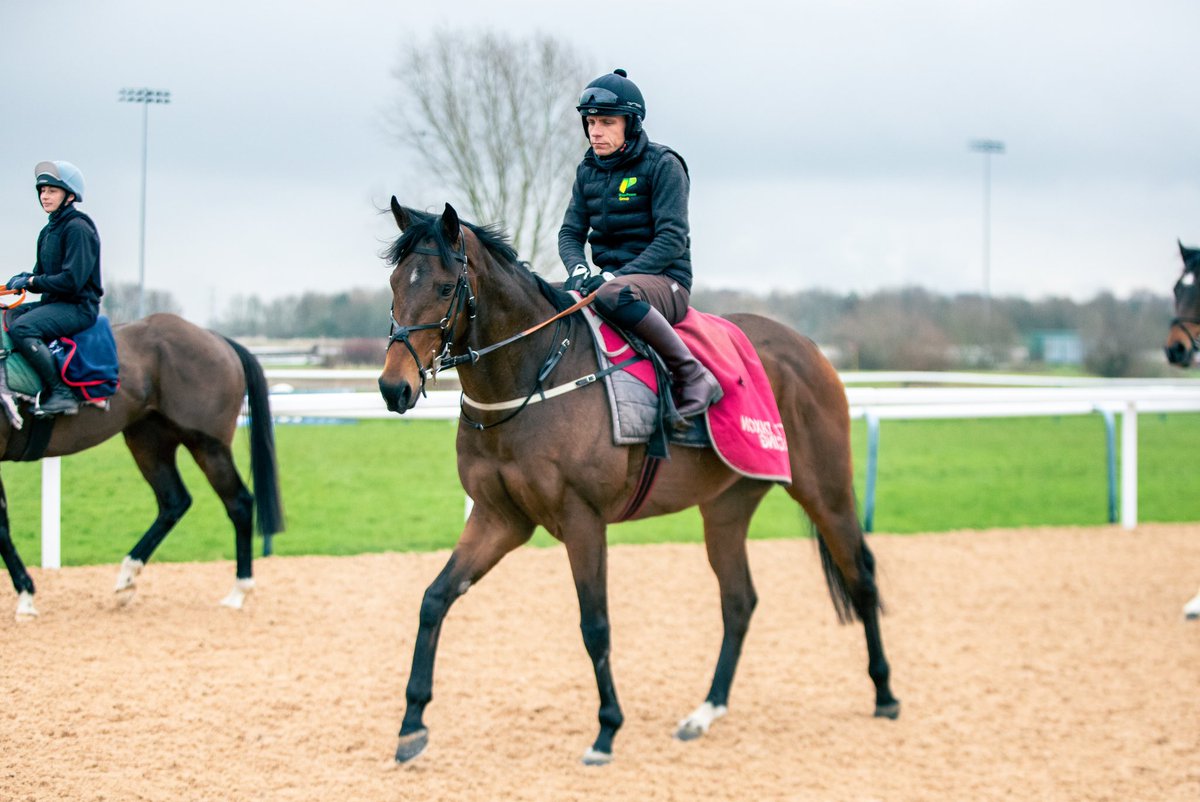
(429, 226)
(493, 238)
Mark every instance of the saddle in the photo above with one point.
(744, 428)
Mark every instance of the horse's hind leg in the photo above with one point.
(154, 445)
(216, 461)
(849, 570)
(726, 522)
(21, 580)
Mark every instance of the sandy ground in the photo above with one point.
(1042, 664)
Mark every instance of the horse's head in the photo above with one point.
(433, 300)
(1183, 340)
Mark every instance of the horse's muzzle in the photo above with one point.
(1179, 353)
(398, 396)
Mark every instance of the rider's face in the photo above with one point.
(607, 134)
(52, 198)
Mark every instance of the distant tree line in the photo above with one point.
(915, 329)
(904, 329)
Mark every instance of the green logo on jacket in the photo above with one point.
(623, 193)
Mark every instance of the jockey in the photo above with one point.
(629, 202)
(67, 274)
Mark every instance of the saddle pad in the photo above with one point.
(88, 361)
(744, 427)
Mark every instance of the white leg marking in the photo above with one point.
(25, 609)
(1191, 610)
(126, 586)
(699, 721)
(237, 596)
(593, 758)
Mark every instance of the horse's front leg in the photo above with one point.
(21, 580)
(483, 542)
(588, 554)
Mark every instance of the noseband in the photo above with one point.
(462, 299)
(1178, 323)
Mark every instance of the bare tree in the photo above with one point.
(120, 302)
(493, 117)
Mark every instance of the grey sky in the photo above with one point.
(827, 141)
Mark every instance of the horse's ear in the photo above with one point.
(403, 220)
(1184, 252)
(450, 225)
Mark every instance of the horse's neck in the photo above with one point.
(508, 305)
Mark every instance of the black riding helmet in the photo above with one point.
(614, 95)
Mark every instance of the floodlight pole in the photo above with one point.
(987, 147)
(145, 97)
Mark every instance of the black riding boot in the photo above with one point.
(694, 387)
(56, 398)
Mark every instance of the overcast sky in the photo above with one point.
(827, 141)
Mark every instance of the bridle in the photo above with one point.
(1178, 323)
(1181, 322)
(463, 299)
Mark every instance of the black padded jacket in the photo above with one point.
(632, 207)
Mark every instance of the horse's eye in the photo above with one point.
(445, 290)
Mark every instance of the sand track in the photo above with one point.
(1047, 664)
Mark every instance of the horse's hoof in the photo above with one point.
(126, 587)
(890, 710)
(125, 596)
(699, 721)
(26, 612)
(593, 758)
(412, 745)
(237, 597)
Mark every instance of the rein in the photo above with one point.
(16, 303)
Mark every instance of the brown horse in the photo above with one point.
(457, 292)
(180, 385)
(1183, 340)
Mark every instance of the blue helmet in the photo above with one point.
(614, 95)
(63, 175)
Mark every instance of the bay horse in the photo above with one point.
(180, 385)
(1183, 339)
(458, 292)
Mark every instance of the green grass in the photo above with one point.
(393, 486)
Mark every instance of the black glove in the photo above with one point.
(575, 280)
(592, 283)
(19, 281)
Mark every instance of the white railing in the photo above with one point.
(1084, 397)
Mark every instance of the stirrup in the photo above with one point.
(59, 401)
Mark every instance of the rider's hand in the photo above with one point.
(19, 281)
(593, 282)
(575, 280)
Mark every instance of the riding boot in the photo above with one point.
(56, 397)
(693, 385)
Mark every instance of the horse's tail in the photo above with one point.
(268, 503)
(839, 590)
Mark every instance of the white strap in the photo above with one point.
(516, 402)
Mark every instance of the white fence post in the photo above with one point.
(51, 512)
(1129, 466)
